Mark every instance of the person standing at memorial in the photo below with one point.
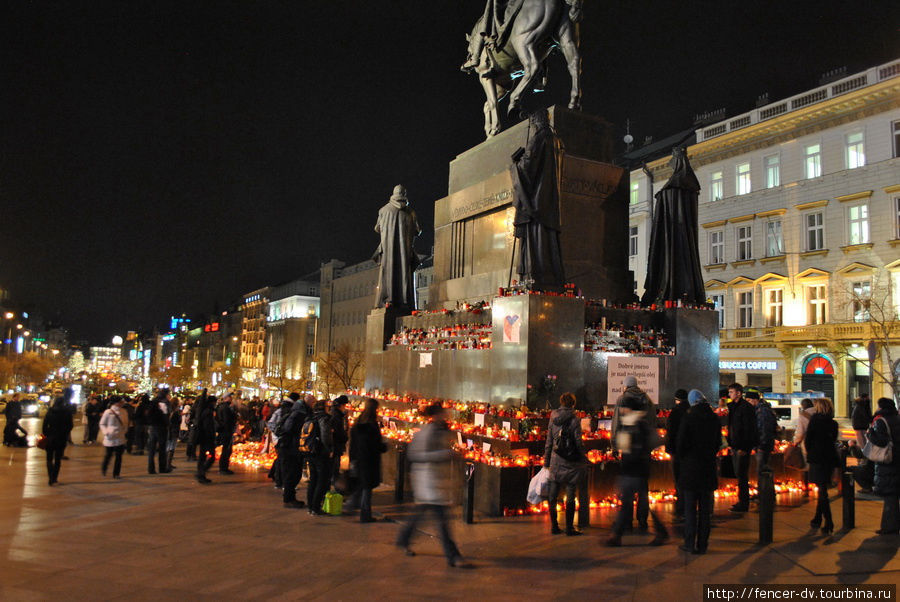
(56, 429)
(366, 447)
(742, 437)
(290, 423)
(114, 425)
(822, 457)
(276, 420)
(636, 397)
(565, 459)
(766, 428)
(806, 412)
(226, 423)
(341, 430)
(698, 442)
(861, 417)
(886, 429)
(205, 424)
(673, 424)
(317, 442)
(430, 454)
(157, 431)
(635, 441)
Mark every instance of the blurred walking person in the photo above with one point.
(114, 425)
(204, 415)
(430, 454)
(699, 439)
(822, 457)
(565, 459)
(56, 429)
(366, 447)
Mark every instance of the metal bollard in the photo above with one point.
(584, 500)
(399, 482)
(469, 508)
(848, 494)
(766, 506)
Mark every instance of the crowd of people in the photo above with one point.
(311, 436)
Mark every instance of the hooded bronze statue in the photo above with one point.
(398, 226)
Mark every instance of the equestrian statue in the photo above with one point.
(509, 46)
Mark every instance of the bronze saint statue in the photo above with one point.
(513, 38)
(398, 226)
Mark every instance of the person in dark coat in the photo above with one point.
(56, 428)
(634, 396)
(130, 410)
(822, 457)
(320, 460)
(206, 436)
(766, 427)
(13, 412)
(742, 437)
(341, 433)
(699, 440)
(141, 417)
(673, 424)
(886, 428)
(92, 413)
(366, 447)
(226, 423)
(636, 439)
(158, 431)
(289, 458)
(564, 472)
(861, 415)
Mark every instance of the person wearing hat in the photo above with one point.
(398, 226)
(698, 443)
(766, 426)
(673, 423)
(742, 437)
(636, 397)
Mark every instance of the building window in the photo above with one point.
(897, 217)
(744, 243)
(310, 350)
(856, 152)
(815, 232)
(633, 241)
(773, 171)
(715, 186)
(717, 247)
(815, 304)
(813, 161)
(862, 292)
(858, 222)
(745, 310)
(313, 291)
(896, 131)
(774, 307)
(743, 179)
(774, 239)
(719, 304)
(635, 193)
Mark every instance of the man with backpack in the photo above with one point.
(636, 438)
(226, 422)
(766, 426)
(565, 460)
(291, 417)
(317, 445)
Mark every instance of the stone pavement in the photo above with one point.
(167, 537)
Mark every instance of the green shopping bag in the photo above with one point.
(333, 504)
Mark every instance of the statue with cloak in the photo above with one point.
(398, 226)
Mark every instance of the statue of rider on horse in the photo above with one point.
(510, 43)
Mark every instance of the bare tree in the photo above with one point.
(872, 304)
(340, 369)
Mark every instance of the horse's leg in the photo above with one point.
(491, 118)
(568, 43)
(533, 25)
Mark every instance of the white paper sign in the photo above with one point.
(644, 369)
(470, 444)
(586, 425)
(506, 425)
(485, 447)
(424, 360)
(479, 419)
(459, 438)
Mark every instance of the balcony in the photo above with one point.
(820, 334)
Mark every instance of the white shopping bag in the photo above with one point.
(539, 488)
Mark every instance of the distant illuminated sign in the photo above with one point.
(744, 365)
(214, 327)
(168, 337)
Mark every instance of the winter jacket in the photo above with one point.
(861, 416)
(742, 430)
(289, 440)
(57, 425)
(158, 415)
(635, 393)
(114, 425)
(93, 411)
(635, 440)
(766, 425)
(673, 426)
(563, 470)
(13, 411)
(326, 434)
(226, 420)
(887, 476)
(339, 430)
(802, 425)
(430, 456)
(699, 440)
(821, 441)
(366, 447)
(205, 425)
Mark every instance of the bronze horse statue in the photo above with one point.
(508, 52)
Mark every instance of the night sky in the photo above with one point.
(160, 157)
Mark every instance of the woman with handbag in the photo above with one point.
(55, 430)
(366, 447)
(884, 434)
(821, 454)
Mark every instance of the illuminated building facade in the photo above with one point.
(799, 235)
(254, 308)
(293, 314)
(347, 297)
